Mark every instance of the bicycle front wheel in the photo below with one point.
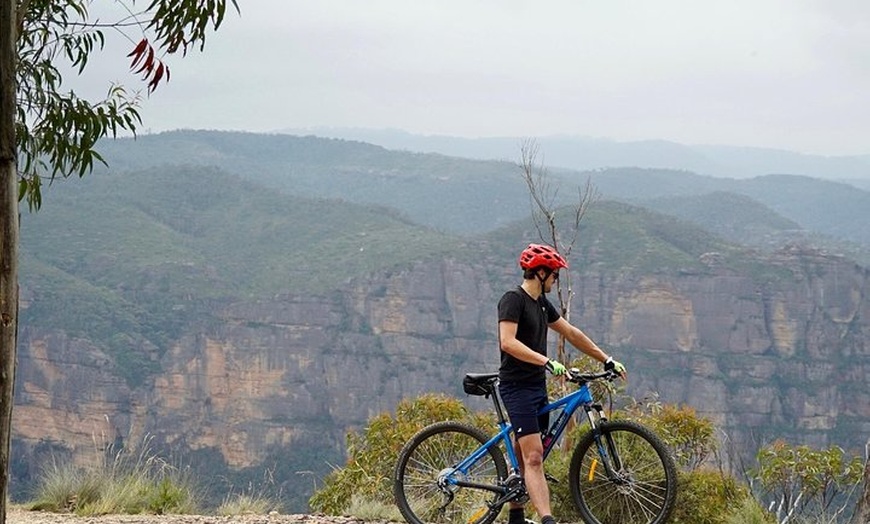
(626, 476)
(434, 451)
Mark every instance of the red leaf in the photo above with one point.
(158, 74)
(148, 65)
(140, 47)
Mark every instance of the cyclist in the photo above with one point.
(524, 316)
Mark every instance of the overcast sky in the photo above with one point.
(790, 74)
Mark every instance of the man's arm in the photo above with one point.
(578, 339)
(508, 342)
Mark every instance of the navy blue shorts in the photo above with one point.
(523, 402)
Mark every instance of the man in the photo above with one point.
(524, 316)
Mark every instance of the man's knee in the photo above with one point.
(534, 459)
(532, 451)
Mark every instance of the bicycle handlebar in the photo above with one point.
(576, 377)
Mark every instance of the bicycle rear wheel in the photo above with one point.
(433, 451)
(642, 487)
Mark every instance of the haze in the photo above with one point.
(784, 74)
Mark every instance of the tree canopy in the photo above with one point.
(47, 131)
(57, 131)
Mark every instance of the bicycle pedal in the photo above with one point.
(551, 478)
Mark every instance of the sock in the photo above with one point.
(516, 516)
(548, 519)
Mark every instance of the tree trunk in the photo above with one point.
(862, 510)
(8, 240)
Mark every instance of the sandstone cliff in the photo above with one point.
(783, 352)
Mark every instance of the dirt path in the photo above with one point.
(18, 516)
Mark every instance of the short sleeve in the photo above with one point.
(510, 307)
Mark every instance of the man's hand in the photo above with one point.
(613, 365)
(556, 368)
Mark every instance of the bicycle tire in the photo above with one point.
(644, 489)
(432, 450)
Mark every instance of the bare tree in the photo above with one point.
(544, 202)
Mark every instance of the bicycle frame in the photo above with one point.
(569, 404)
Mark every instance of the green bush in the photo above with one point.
(372, 454)
(690, 437)
(750, 512)
(707, 497)
(808, 484)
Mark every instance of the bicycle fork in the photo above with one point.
(604, 444)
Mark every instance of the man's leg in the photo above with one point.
(516, 515)
(533, 472)
(522, 404)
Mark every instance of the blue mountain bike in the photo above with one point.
(453, 473)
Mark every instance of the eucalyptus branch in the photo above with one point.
(23, 8)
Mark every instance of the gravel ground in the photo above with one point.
(19, 516)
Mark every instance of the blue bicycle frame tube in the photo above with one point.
(469, 461)
(569, 404)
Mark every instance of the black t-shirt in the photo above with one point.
(532, 318)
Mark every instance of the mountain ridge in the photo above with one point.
(588, 153)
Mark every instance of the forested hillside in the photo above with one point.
(474, 196)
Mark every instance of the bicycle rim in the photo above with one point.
(642, 489)
(434, 450)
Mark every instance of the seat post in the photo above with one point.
(497, 402)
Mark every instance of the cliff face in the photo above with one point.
(780, 354)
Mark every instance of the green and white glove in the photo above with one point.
(613, 365)
(556, 368)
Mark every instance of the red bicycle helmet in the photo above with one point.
(537, 255)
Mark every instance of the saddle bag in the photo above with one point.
(476, 385)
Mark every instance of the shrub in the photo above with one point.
(813, 484)
(372, 454)
(707, 497)
(690, 437)
(750, 512)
